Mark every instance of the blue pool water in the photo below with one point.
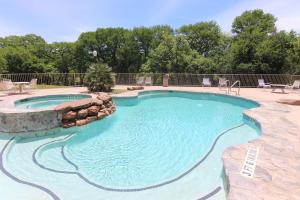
(48, 101)
(168, 140)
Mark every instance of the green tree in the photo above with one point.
(3, 65)
(199, 64)
(19, 60)
(294, 56)
(84, 47)
(159, 32)
(204, 37)
(254, 22)
(175, 55)
(250, 29)
(221, 55)
(272, 53)
(22, 41)
(109, 42)
(61, 55)
(130, 55)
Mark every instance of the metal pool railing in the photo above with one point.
(175, 79)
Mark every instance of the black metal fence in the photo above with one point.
(182, 79)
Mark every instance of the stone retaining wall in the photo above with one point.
(78, 113)
(23, 122)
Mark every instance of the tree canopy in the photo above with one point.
(254, 46)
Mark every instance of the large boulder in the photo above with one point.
(80, 104)
(82, 113)
(81, 122)
(70, 115)
(104, 97)
(91, 118)
(68, 124)
(93, 110)
(101, 115)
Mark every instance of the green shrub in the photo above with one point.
(99, 78)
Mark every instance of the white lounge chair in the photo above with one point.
(148, 80)
(206, 82)
(223, 82)
(295, 85)
(262, 84)
(140, 81)
(8, 85)
(32, 85)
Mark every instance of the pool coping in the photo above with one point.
(273, 158)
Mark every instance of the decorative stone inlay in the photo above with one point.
(78, 113)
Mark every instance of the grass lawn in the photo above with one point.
(115, 91)
(50, 86)
(118, 91)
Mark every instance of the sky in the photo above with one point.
(64, 20)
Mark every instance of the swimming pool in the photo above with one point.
(48, 101)
(160, 145)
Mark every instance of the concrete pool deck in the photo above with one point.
(277, 173)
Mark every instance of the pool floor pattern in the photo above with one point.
(76, 172)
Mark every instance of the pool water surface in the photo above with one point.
(48, 101)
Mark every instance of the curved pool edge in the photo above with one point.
(272, 124)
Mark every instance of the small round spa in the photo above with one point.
(48, 101)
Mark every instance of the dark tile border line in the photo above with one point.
(144, 188)
(44, 167)
(211, 194)
(49, 192)
(62, 151)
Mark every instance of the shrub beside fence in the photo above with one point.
(78, 79)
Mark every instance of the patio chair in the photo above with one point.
(148, 80)
(295, 85)
(140, 81)
(206, 82)
(8, 85)
(223, 82)
(32, 85)
(263, 84)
